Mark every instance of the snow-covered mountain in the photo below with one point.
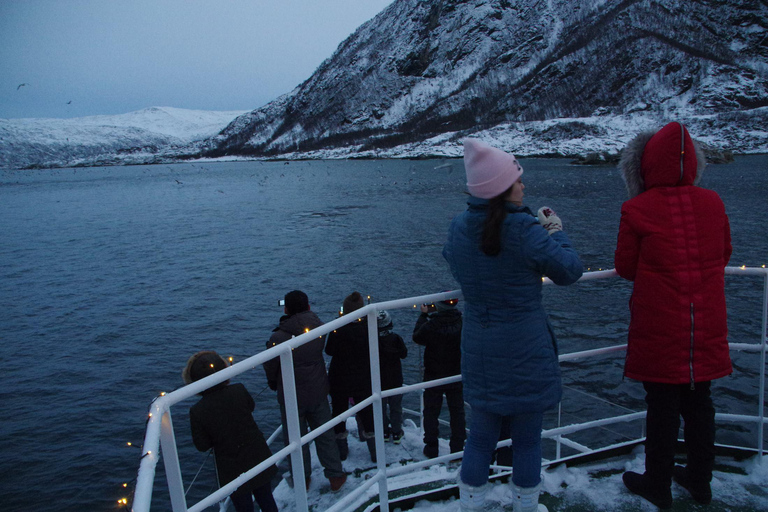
(137, 137)
(535, 76)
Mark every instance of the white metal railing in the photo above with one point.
(160, 433)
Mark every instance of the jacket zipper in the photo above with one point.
(690, 361)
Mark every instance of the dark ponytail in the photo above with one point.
(497, 212)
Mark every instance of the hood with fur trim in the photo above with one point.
(666, 158)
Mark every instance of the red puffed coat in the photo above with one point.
(674, 243)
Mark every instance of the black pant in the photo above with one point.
(243, 502)
(433, 403)
(666, 403)
(340, 405)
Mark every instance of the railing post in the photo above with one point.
(378, 415)
(171, 462)
(764, 344)
(291, 407)
(559, 413)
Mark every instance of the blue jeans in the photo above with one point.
(483, 436)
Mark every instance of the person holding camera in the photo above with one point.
(499, 251)
(311, 386)
(440, 335)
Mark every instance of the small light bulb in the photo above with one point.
(150, 415)
(743, 267)
(130, 444)
(162, 393)
(125, 485)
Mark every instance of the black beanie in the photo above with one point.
(296, 302)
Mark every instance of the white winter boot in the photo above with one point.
(526, 499)
(472, 498)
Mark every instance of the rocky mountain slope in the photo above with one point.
(536, 76)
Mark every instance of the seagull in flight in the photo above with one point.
(20, 86)
(70, 101)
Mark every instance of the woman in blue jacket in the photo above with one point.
(499, 251)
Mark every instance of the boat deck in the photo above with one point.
(582, 484)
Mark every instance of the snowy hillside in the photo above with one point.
(540, 76)
(104, 140)
(536, 77)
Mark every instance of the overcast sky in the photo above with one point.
(117, 56)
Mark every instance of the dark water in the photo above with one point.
(110, 278)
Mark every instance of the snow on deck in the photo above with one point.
(597, 486)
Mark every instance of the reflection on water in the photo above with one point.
(111, 277)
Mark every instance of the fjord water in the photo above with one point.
(110, 278)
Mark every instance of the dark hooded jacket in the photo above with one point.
(223, 420)
(350, 369)
(308, 363)
(440, 334)
(674, 243)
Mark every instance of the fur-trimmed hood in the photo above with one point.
(666, 158)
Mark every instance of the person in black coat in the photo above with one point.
(440, 334)
(223, 420)
(311, 382)
(350, 374)
(391, 350)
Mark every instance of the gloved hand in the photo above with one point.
(549, 220)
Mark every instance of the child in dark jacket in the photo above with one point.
(223, 420)
(391, 350)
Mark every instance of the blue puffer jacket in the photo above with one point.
(508, 350)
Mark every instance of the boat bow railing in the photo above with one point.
(160, 433)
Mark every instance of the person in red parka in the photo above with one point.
(674, 243)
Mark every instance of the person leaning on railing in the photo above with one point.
(223, 420)
(674, 243)
(498, 252)
(349, 374)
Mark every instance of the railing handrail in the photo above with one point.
(159, 425)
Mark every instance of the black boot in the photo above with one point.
(700, 490)
(646, 488)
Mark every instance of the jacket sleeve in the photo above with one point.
(552, 254)
(627, 248)
(331, 343)
(422, 330)
(200, 437)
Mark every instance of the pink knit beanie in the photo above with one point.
(490, 171)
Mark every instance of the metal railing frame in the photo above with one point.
(160, 433)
